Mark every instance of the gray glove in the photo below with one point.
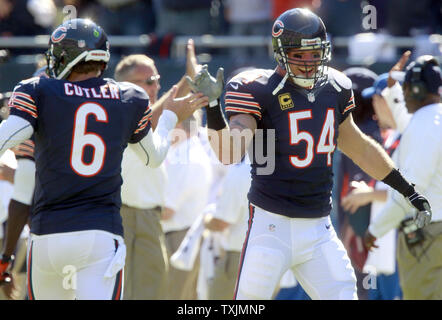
(208, 85)
(423, 215)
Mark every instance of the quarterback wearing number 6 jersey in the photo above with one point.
(82, 123)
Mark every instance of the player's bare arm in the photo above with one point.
(364, 151)
(230, 143)
(230, 140)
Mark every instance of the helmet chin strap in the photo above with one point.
(280, 56)
(281, 84)
(305, 83)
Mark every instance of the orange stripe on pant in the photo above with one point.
(243, 253)
(29, 271)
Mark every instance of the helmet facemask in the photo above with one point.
(306, 79)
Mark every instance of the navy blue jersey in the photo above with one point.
(306, 130)
(81, 130)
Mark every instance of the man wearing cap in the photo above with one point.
(380, 263)
(419, 156)
(353, 224)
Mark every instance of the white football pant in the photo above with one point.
(83, 265)
(309, 247)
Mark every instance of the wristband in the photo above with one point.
(215, 117)
(395, 180)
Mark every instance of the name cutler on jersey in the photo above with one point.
(107, 91)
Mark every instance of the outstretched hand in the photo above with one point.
(399, 66)
(185, 106)
(423, 215)
(192, 66)
(208, 85)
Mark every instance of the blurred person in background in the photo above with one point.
(189, 173)
(143, 191)
(380, 265)
(420, 156)
(142, 195)
(352, 225)
(229, 219)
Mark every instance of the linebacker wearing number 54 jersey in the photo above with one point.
(308, 107)
(82, 123)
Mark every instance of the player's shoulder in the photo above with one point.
(339, 80)
(250, 79)
(129, 91)
(30, 83)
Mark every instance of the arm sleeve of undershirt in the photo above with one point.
(152, 149)
(24, 181)
(394, 97)
(14, 131)
(390, 217)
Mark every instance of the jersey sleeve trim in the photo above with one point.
(350, 104)
(23, 102)
(239, 102)
(145, 120)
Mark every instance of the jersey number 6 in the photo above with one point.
(325, 144)
(81, 138)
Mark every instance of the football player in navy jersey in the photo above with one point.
(303, 108)
(82, 123)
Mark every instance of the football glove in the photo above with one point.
(5, 262)
(208, 85)
(423, 215)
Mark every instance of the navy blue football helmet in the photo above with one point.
(75, 41)
(301, 29)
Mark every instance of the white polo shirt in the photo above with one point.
(419, 158)
(143, 187)
(233, 207)
(189, 174)
(6, 188)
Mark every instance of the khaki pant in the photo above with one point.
(181, 284)
(147, 264)
(222, 287)
(420, 267)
